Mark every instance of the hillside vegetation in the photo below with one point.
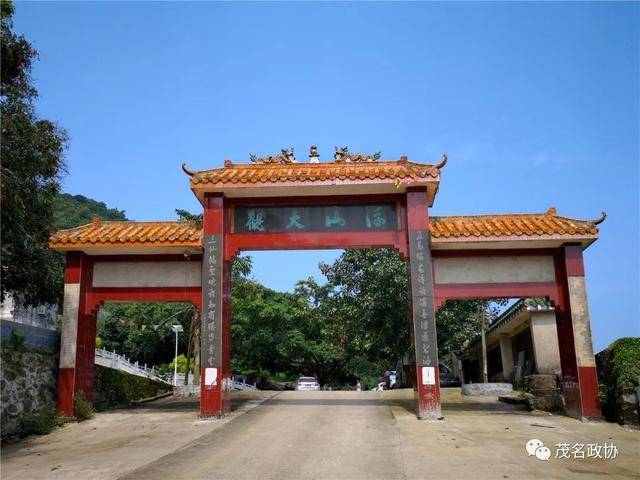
(73, 210)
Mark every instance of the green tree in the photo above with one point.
(142, 331)
(281, 333)
(32, 152)
(186, 215)
(368, 304)
(368, 300)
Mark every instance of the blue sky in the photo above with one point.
(537, 105)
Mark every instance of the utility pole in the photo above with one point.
(177, 329)
(194, 320)
(483, 327)
(196, 353)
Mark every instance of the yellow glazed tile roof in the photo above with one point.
(189, 234)
(519, 225)
(125, 233)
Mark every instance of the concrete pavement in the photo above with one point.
(327, 435)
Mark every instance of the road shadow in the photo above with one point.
(335, 402)
(471, 405)
(170, 404)
(452, 401)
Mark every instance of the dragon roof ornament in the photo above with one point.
(343, 155)
(286, 155)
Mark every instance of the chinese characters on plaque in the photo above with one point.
(422, 299)
(211, 343)
(317, 218)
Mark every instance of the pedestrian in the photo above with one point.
(358, 386)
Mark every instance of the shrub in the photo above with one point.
(166, 369)
(619, 372)
(16, 341)
(113, 388)
(82, 408)
(626, 362)
(39, 423)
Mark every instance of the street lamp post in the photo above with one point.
(177, 329)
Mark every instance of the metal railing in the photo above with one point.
(113, 360)
(243, 385)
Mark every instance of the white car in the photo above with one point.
(308, 384)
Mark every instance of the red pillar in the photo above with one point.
(85, 355)
(427, 388)
(215, 356)
(579, 376)
(77, 343)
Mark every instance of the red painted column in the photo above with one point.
(579, 376)
(427, 388)
(77, 342)
(85, 355)
(215, 356)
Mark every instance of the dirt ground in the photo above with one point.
(322, 435)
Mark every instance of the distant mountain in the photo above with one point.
(73, 210)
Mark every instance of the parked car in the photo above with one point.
(308, 384)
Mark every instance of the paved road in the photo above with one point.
(369, 435)
(319, 435)
(294, 435)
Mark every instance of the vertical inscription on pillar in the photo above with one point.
(211, 342)
(422, 299)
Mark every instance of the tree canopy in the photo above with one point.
(32, 153)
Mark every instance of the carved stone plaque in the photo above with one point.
(211, 331)
(423, 311)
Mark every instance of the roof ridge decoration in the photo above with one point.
(341, 158)
(345, 169)
(284, 157)
(442, 163)
(343, 155)
(191, 173)
(600, 219)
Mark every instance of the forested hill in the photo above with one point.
(73, 210)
